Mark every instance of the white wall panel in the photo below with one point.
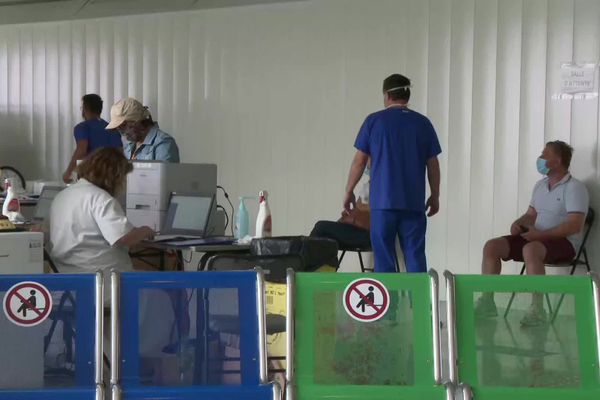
(275, 95)
(458, 148)
(483, 128)
(506, 143)
(438, 104)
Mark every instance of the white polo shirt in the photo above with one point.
(553, 206)
(85, 223)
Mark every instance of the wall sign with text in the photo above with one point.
(578, 81)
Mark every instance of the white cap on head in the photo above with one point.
(128, 109)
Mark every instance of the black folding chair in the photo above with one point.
(11, 173)
(581, 259)
(62, 315)
(275, 270)
(274, 266)
(358, 250)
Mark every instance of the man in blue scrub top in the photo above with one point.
(91, 134)
(146, 140)
(403, 146)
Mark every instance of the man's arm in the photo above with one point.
(79, 154)
(434, 178)
(135, 236)
(356, 171)
(574, 224)
(526, 220)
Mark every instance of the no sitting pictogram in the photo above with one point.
(27, 304)
(366, 300)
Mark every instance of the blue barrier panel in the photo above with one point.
(186, 335)
(51, 330)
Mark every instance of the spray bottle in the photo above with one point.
(263, 220)
(242, 221)
(11, 204)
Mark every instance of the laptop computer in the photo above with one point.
(42, 208)
(187, 217)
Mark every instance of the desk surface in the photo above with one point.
(204, 248)
(209, 248)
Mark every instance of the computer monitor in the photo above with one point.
(188, 213)
(42, 209)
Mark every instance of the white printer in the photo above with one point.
(150, 184)
(21, 253)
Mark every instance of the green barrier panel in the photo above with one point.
(337, 354)
(544, 347)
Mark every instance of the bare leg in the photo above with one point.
(534, 254)
(493, 253)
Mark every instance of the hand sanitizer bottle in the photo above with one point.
(263, 220)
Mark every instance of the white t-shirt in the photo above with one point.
(85, 224)
(553, 206)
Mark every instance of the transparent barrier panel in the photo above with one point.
(350, 352)
(527, 348)
(43, 355)
(189, 340)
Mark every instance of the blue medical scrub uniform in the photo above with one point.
(399, 142)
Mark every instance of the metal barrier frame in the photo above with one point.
(116, 389)
(98, 343)
(99, 339)
(596, 294)
(435, 326)
(465, 388)
(451, 322)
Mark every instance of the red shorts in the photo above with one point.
(558, 251)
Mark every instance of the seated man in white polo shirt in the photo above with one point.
(550, 232)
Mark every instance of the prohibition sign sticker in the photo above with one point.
(27, 304)
(366, 300)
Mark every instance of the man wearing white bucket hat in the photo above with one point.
(146, 140)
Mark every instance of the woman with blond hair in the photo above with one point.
(89, 230)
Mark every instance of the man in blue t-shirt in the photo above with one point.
(91, 134)
(403, 147)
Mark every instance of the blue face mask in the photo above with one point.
(542, 167)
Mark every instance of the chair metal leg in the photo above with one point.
(342, 257)
(549, 304)
(509, 305)
(362, 264)
(587, 262)
(512, 296)
(562, 296)
(58, 315)
(555, 313)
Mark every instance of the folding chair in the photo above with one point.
(275, 268)
(580, 259)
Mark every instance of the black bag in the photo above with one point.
(315, 252)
